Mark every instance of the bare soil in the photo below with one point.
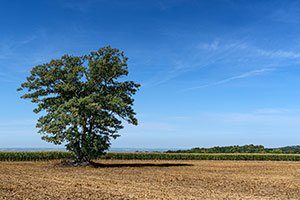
(151, 180)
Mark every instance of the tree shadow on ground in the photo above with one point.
(111, 165)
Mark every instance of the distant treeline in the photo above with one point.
(242, 149)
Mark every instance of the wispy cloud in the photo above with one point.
(9, 46)
(241, 76)
(15, 123)
(269, 111)
(81, 6)
(5, 50)
(29, 39)
(278, 53)
(217, 45)
(17, 54)
(146, 126)
(177, 69)
(230, 53)
(165, 4)
(6, 77)
(257, 119)
(288, 13)
(193, 60)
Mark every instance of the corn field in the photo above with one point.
(35, 156)
(55, 155)
(191, 156)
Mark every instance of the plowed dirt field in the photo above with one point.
(151, 180)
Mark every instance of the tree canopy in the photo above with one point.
(83, 100)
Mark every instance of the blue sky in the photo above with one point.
(213, 73)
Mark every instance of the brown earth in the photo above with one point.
(151, 180)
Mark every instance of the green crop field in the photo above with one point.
(54, 155)
(34, 156)
(189, 156)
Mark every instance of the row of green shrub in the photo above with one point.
(54, 155)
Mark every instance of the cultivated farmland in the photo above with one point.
(54, 155)
(132, 179)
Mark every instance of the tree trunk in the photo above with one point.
(81, 159)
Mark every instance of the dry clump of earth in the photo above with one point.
(116, 179)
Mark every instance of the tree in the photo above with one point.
(84, 100)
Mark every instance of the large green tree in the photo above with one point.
(83, 100)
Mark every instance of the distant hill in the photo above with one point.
(292, 149)
(241, 149)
